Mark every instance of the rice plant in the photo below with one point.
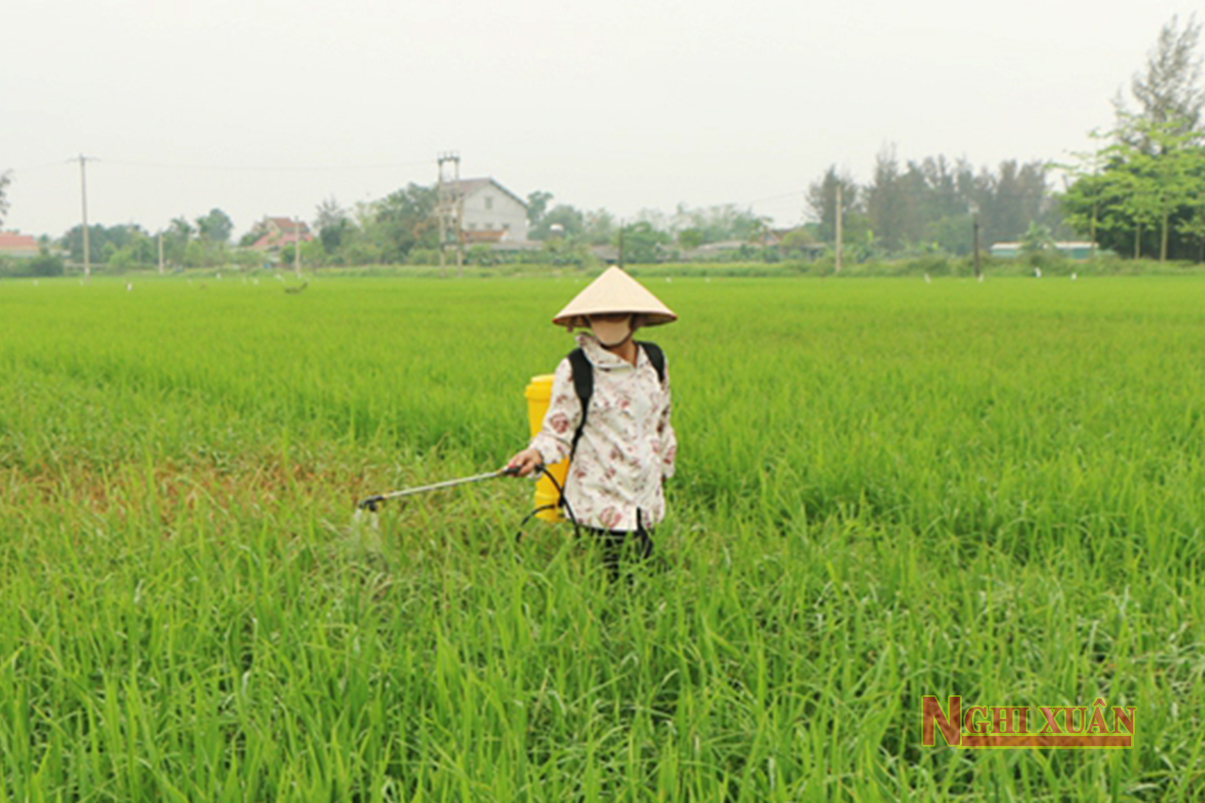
(886, 489)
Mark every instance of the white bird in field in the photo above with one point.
(981, 278)
(35, 282)
(927, 279)
(1073, 276)
(129, 287)
(1037, 273)
(218, 276)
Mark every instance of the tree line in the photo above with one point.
(1141, 191)
(402, 227)
(929, 206)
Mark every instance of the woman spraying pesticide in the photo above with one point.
(610, 415)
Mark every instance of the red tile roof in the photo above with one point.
(11, 242)
(278, 239)
(288, 224)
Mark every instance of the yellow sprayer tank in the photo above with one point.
(539, 394)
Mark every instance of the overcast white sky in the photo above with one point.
(267, 107)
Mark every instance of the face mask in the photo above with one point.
(612, 334)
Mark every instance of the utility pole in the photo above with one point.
(449, 210)
(975, 226)
(160, 253)
(83, 190)
(837, 268)
(621, 245)
(297, 247)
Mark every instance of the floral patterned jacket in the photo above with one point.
(627, 446)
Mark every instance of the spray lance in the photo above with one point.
(373, 503)
(549, 495)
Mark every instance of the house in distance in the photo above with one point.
(17, 245)
(491, 212)
(275, 233)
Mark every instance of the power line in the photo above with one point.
(43, 166)
(261, 168)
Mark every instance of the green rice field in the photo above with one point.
(886, 489)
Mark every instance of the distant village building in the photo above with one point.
(17, 245)
(277, 232)
(1071, 250)
(492, 213)
(726, 247)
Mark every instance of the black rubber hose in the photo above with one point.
(577, 531)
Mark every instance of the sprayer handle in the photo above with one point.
(371, 503)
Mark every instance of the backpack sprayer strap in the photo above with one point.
(583, 384)
(583, 381)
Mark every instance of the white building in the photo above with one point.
(1072, 250)
(492, 213)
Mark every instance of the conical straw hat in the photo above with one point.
(614, 292)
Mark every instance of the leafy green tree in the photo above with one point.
(195, 255)
(692, 238)
(1193, 228)
(423, 256)
(46, 263)
(1168, 93)
(888, 202)
(711, 224)
(953, 234)
(403, 220)
(564, 251)
(1086, 171)
(333, 224)
(133, 251)
(181, 228)
(480, 254)
(798, 242)
(571, 221)
(103, 242)
(537, 205)
(822, 199)
(215, 227)
(1146, 184)
(642, 244)
(598, 227)
(1013, 197)
(1170, 175)
(1037, 238)
(923, 204)
(176, 238)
